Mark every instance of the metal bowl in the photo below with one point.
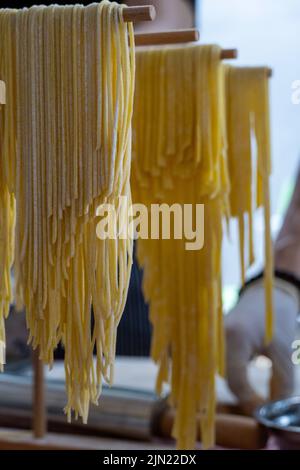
(282, 418)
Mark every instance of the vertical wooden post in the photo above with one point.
(39, 403)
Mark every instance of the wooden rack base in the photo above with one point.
(11, 439)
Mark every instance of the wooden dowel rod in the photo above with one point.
(39, 403)
(141, 13)
(229, 54)
(167, 37)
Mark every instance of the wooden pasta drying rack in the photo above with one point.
(39, 439)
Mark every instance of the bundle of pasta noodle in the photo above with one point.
(70, 70)
(249, 159)
(179, 157)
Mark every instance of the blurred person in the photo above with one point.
(245, 324)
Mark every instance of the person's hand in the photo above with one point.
(245, 336)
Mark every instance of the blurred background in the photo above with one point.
(265, 32)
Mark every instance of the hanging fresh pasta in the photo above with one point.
(249, 159)
(70, 73)
(179, 157)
